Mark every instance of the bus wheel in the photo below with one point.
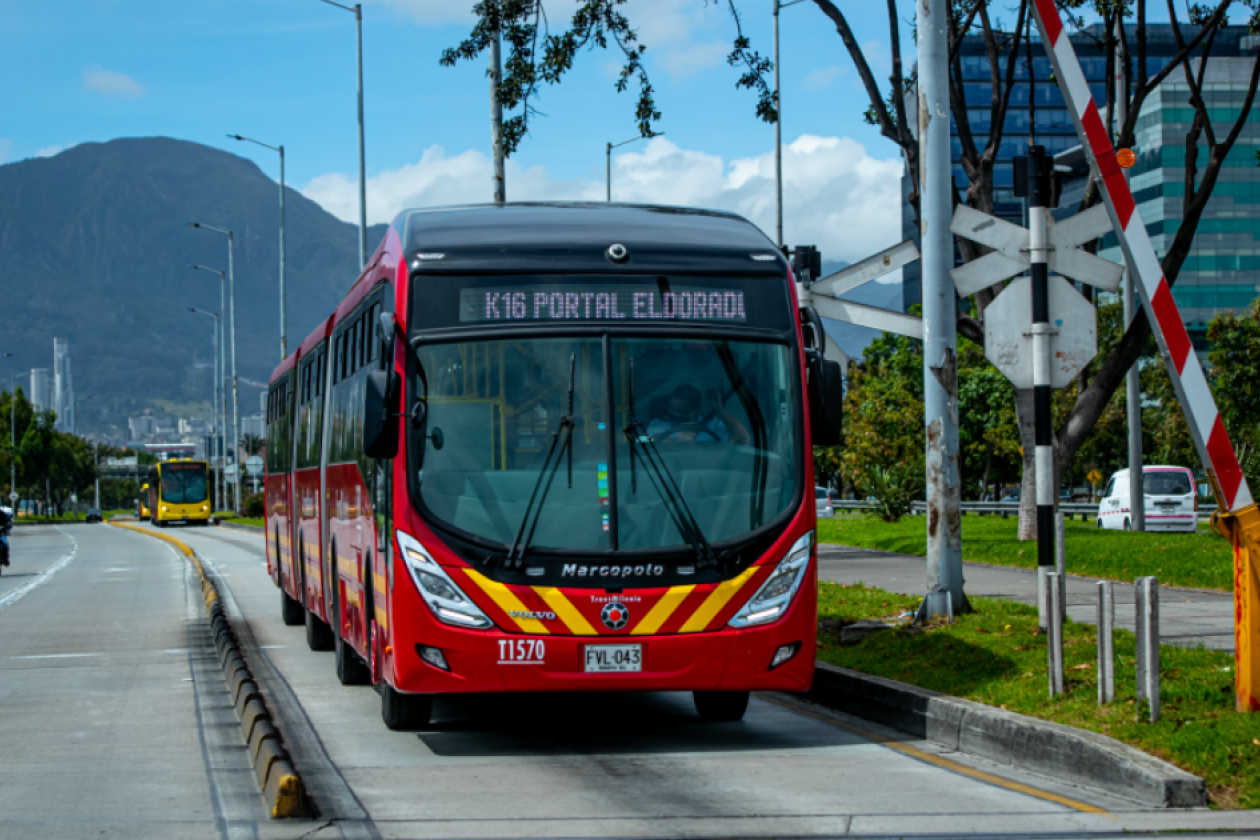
(721, 706)
(318, 634)
(291, 611)
(351, 670)
(403, 712)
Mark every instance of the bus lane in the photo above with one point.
(560, 765)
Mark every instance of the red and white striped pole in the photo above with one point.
(1147, 276)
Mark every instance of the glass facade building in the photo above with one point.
(1038, 115)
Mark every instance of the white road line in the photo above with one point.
(57, 656)
(17, 594)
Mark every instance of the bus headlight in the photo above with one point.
(776, 594)
(443, 595)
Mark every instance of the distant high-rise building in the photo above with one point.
(39, 389)
(63, 386)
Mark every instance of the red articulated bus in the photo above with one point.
(556, 447)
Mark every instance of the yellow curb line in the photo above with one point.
(279, 782)
(945, 763)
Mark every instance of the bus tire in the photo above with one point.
(721, 706)
(318, 634)
(404, 712)
(351, 669)
(291, 610)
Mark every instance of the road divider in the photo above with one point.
(281, 786)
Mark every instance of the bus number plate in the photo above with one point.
(602, 659)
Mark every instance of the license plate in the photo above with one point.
(603, 659)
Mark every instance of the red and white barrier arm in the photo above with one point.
(1186, 373)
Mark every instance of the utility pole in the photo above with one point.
(940, 310)
(496, 119)
(778, 128)
(1132, 388)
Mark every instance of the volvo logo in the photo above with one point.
(536, 616)
(614, 615)
(574, 570)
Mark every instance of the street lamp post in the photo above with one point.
(284, 351)
(13, 428)
(236, 422)
(357, 8)
(214, 411)
(608, 147)
(778, 128)
(221, 391)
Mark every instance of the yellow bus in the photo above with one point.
(142, 504)
(179, 491)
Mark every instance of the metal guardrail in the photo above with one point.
(1085, 510)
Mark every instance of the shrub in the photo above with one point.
(255, 505)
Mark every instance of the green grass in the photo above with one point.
(246, 520)
(1202, 560)
(995, 656)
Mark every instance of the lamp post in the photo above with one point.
(778, 127)
(13, 427)
(608, 147)
(236, 422)
(283, 344)
(357, 8)
(214, 411)
(221, 392)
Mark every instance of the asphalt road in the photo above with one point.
(113, 724)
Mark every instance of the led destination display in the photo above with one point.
(601, 302)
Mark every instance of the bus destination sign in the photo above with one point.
(600, 303)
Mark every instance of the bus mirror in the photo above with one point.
(380, 429)
(826, 401)
(419, 413)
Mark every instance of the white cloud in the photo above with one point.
(822, 78)
(835, 195)
(49, 151)
(110, 83)
(687, 60)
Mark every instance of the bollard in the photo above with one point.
(1054, 643)
(1106, 643)
(1146, 606)
(1042, 611)
(1060, 563)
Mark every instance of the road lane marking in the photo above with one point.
(57, 656)
(945, 763)
(17, 594)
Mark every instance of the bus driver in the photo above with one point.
(684, 418)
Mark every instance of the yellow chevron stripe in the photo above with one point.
(662, 610)
(507, 602)
(382, 619)
(716, 600)
(568, 613)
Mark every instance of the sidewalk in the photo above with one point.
(1187, 617)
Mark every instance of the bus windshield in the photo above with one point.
(719, 414)
(184, 484)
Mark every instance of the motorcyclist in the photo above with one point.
(6, 525)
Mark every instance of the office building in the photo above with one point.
(39, 389)
(63, 386)
(1038, 114)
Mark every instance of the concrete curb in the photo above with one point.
(1059, 752)
(280, 784)
(253, 529)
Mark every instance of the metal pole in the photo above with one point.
(363, 249)
(1054, 642)
(1132, 388)
(608, 172)
(236, 414)
(496, 121)
(1038, 198)
(283, 321)
(778, 136)
(940, 369)
(12, 433)
(1060, 561)
(218, 429)
(1106, 643)
(1146, 602)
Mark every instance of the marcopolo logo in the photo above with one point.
(537, 616)
(574, 570)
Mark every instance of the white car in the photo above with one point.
(1172, 503)
(823, 499)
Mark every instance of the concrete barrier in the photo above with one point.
(281, 786)
(1064, 753)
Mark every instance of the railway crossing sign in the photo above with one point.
(1008, 341)
(822, 295)
(1012, 255)
(254, 465)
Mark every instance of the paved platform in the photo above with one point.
(1188, 617)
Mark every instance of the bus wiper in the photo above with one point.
(665, 486)
(529, 521)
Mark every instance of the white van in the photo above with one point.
(1171, 500)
